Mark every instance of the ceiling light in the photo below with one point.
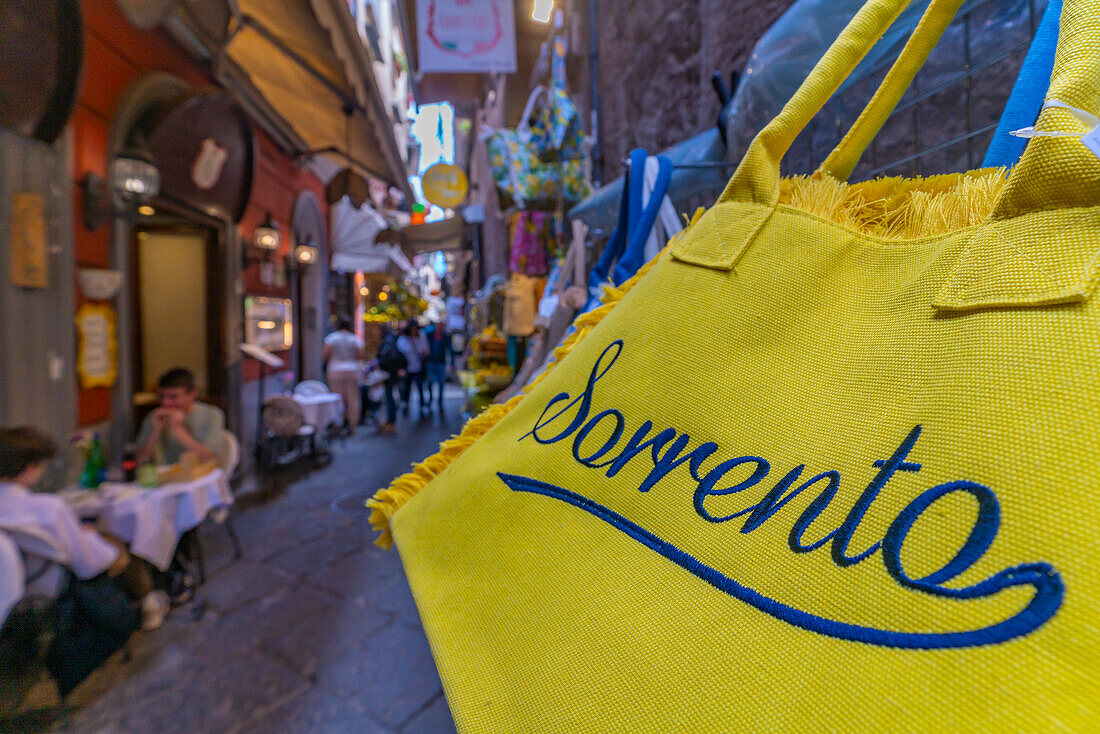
(541, 10)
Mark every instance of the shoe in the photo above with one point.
(154, 608)
(387, 428)
(181, 588)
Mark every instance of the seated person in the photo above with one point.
(181, 424)
(24, 452)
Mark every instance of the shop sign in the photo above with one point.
(97, 355)
(204, 150)
(29, 264)
(445, 185)
(461, 36)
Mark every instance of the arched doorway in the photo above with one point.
(181, 254)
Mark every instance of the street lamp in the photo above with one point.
(134, 178)
(265, 239)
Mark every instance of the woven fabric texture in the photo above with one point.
(802, 477)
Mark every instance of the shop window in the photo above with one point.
(269, 322)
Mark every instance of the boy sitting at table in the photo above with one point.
(24, 452)
(181, 423)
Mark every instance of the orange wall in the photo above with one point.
(276, 185)
(115, 55)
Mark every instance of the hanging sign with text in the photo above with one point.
(96, 361)
(459, 36)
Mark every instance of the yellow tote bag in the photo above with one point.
(854, 489)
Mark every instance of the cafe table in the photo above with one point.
(321, 411)
(151, 521)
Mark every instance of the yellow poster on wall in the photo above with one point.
(97, 352)
(29, 264)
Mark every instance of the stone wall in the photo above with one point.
(655, 66)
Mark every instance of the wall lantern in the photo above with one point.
(305, 254)
(266, 237)
(133, 180)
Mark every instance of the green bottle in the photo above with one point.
(95, 465)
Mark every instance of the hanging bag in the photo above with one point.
(1028, 92)
(540, 167)
(624, 253)
(828, 464)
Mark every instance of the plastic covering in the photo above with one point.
(998, 32)
(690, 187)
(947, 131)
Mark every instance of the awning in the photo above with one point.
(448, 234)
(303, 63)
(354, 247)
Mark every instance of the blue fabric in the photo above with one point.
(615, 246)
(634, 256)
(626, 248)
(1029, 92)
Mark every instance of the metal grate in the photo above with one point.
(947, 118)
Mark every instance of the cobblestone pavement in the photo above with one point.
(313, 630)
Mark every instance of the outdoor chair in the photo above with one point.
(286, 436)
(221, 515)
(27, 630)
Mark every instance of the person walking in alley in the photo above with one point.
(344, 352)
(181, 423)
(394, 364)
(415, 348)
(439, 349)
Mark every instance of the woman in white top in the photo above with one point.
(345, 352)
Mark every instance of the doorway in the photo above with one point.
(178, 315)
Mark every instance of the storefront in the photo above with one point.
(174, 205)
(230, 210)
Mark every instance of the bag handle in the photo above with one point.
(1062, 173)
(524, 127)
(757, 177)
(641, 223)
(1026, 100)
(572, 265)
(842, 161)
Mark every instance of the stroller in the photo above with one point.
(286, 436)
(372, 392)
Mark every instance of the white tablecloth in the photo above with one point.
(321, 410)
(151, 521)
(11, 575)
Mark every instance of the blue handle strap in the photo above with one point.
(642, 219)
(616, 245)
(1029, 92)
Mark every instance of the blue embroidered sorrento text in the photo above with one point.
(668, 449)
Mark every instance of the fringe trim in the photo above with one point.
(899, 208)
(388, 501)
